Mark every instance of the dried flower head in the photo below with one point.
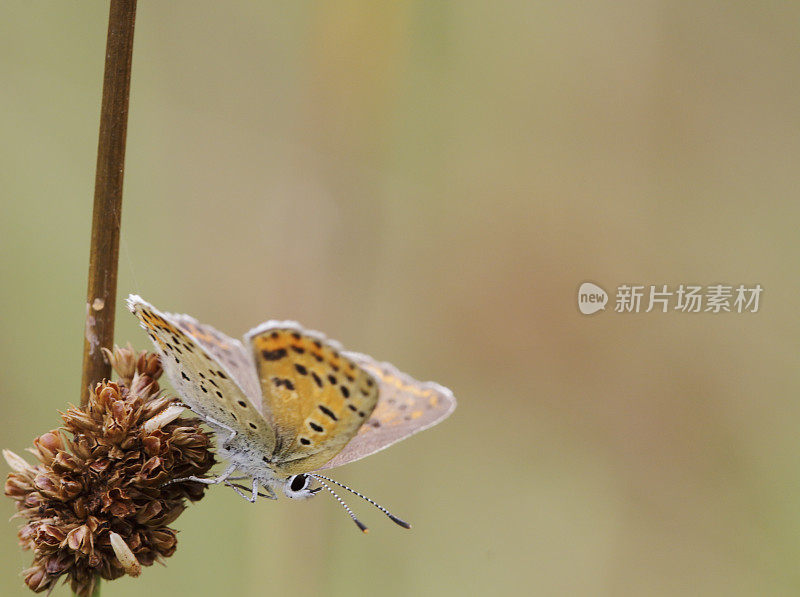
(96, 502)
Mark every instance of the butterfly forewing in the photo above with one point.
(205, 383)
(317, 394)
(405, 407)
(225, 350)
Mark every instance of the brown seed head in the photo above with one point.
(96, 504)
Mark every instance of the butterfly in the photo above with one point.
(288, 402)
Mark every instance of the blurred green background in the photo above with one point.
(430, 182)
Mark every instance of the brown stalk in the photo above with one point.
(101, 294)
(104, 252)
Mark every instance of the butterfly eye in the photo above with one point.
(296, 487)
(298, 482)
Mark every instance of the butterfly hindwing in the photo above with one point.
(405, 407)
(205, 384)
(318, 396)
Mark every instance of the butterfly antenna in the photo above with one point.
(393, 518)
(359, 524)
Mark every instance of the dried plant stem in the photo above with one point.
(104, 252)
(101, 293)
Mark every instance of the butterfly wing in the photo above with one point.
(205, 381)
(225, 350)
(317, 394)
(405, 407)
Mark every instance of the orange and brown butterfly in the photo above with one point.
(288, 402)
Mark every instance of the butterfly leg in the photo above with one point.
(270, 494)
(237, 488)
(231, 430)
(223, 477)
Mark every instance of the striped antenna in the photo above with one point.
(391, 516)
(359, 524)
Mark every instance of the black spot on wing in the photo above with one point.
(273, 355)
(328, 412)
(286, 383)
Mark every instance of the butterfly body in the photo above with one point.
(287, 401)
